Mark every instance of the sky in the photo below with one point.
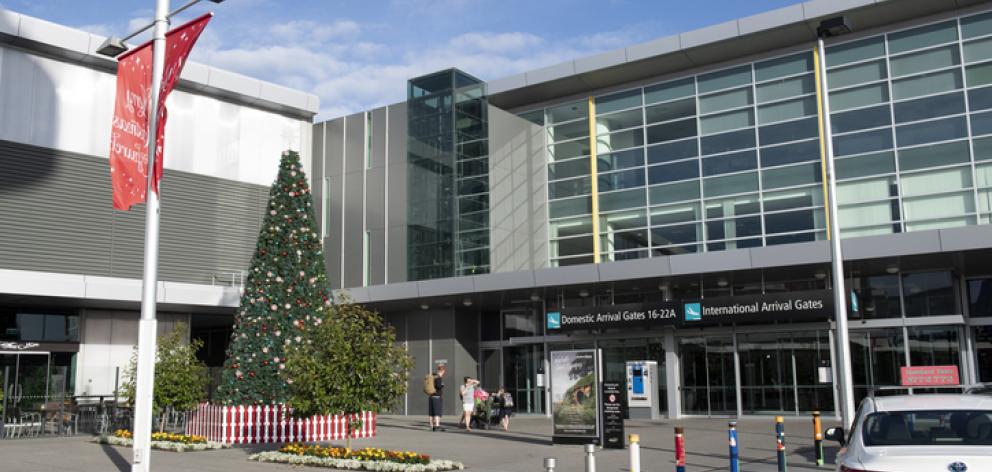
(358, 54)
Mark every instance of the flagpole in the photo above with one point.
(147, 326)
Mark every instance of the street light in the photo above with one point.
(827, 28)
(114, 46)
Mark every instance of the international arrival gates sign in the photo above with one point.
(129, 133)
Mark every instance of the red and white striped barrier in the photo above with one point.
(272, 424)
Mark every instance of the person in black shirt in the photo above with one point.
(435, 406)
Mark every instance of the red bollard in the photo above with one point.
(679, 449)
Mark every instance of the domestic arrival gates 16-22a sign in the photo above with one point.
(816, 305)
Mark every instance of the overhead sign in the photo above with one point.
(929, 376)
(813, 305)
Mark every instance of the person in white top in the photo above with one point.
(467, 391)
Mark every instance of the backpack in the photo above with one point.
(429, 385)
(508, 400)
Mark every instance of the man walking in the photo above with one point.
(435, 391)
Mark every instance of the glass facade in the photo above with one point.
(447, 176)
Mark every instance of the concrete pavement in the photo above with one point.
(520, 450)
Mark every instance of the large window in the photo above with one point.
(39, 327)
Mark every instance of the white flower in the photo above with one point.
(274, 307)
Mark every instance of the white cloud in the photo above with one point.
(102, 30)
(313, 32)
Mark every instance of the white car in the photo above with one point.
(918, 433)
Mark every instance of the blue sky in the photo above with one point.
(358, 54)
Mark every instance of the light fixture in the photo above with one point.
(663, 286)
(892, 268)
(583, 293)
(722, 282)
(534, 297)
(467, 302)
(835, 26)
(112, 47)
(820, 274)
(424, 306)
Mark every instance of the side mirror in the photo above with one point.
(835, 434)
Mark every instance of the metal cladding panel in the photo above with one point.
(334, 147)
(57, 216)
(379, 126)
(354, 146)
(316, 177)
(396, 197)
(332, 243)
(396, 245)
(353, 230)
(375, 198)
(377, 256)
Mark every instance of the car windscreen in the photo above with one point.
(929, 428)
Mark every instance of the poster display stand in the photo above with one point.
(575, 396)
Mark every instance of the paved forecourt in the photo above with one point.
(520, 450)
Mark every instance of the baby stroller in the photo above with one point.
(484, 413)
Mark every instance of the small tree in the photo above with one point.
(351, 363)
(180, 378)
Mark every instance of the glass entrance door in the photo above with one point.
(779, 372)
(708, 380)
(27, 379)
(521, 364)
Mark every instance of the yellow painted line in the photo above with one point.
(823, 143)
(594, 175)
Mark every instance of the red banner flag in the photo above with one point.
(129, 132)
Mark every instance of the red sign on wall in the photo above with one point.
(929, 376)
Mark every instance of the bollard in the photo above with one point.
(590, 458)
(549, 464)
(734, 456)
(635, 453)
(780, 442)
(817, 439)
(679, 449)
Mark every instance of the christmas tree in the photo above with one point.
(286, 292)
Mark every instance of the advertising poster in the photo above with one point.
(574, 395)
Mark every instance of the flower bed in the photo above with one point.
(373, 459)
(163, 441)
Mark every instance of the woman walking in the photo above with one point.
(503, 401)
(467, 391)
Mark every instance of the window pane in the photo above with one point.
(733, 228)
(793, 198)
(938, 206)
(568, 111)
(929, 293)
(672, 131)
(566, 169)
(979, 50)
(724, 79)
(980, 302)
(934, 155)
(866, 190)
(619, 160)
(575, 129)
(669, 90)
(734, 206)
(856, 51)
(618, 101)
(789, 131)
(621, 180)
(935, 181)
(787, 110)
(623, 220)
(789, 65)
(981, 124)
(728, 141)
(864, 214)
(927, 84)
(878, 297)
(569, 188)
(922, 37)
(730, 184)
(928, 132)
(858, 97)
(678, 213)
(570, 227)
(786, 88)
(672, 172)
(618, 121)
(674, 192)
(672, 151)
(568, 149)
(983, 175)
(623, 241)
(856, 74)
(724, 100)
(980, 99)
(571, 246)
(789, 176)
(677, 234)
(978, 25)
(877, 140)
(865, 118)
(930, 107)
(925, 60)
(790, 153)
(983, 149)
(572, 206)
(622, 200)
(670, 110)
(728, 163)
(726, 121)
(792, 221)
(620, 140)
(536, 117)
(869, 164)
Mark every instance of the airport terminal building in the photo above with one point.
(666, 202)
